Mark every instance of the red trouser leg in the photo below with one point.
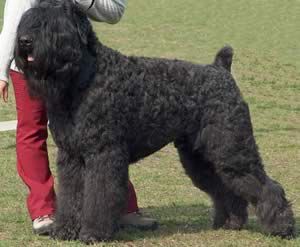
(32, 155)
(132, 205)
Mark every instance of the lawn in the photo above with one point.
(265, 36)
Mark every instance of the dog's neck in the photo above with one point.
(74, 86)
(87, 69)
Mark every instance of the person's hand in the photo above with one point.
(4, 90)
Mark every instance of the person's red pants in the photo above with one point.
(32, 155)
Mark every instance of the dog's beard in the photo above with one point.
(23, 56)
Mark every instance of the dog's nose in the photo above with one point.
(25, 41)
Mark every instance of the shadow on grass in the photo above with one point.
(172, 219)
(185, 219)
(270, 130)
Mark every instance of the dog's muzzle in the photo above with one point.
(26, 47)
(25, 42)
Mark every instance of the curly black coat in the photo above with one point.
(108, 110)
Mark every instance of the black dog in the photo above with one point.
(108, 110)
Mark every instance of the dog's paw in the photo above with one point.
(232, 222)
(64, 232)
(91, 237)
(88, 238)
(235, 224)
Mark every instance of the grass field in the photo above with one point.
(265, 36)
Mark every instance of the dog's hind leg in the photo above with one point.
(69, 199)
(230, 210)
(105, 193)
(227, 141)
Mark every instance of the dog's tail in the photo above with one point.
(224, 58)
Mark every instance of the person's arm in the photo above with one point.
(13, 12)
(110, 11)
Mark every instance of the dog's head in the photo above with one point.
(51, 38)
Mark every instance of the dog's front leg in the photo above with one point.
(69, 200)
(105, 193)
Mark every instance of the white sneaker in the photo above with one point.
(42, 225)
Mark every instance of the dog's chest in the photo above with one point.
(62, 130)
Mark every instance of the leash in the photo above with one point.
(92, 3)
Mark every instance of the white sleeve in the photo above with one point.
(109, 11)
(13, 12)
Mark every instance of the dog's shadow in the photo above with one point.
(172, 219)
(185, 219)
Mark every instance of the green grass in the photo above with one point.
(265, 36)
